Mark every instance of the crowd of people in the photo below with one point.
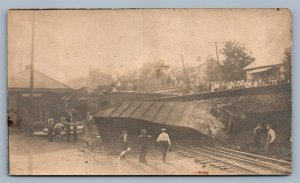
(57, 131)
(194, 86)
(227, 85)
(119, 86)
(144, 140)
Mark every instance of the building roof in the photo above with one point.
(258, 64)
(259, 70)
(41, 81)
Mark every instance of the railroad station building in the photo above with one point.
(265, 70)
(47, 98)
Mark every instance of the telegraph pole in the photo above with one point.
(31, 89)
(182, 61)
(32, 59)
(21, 66)
(217, 50)
(216, 44)
(33, 22)
(186, 77)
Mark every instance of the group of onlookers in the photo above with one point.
(65, 127)
(227, 85)
(55, 131)
(119, 86)
(143, 140)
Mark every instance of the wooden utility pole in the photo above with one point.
(186, 77)
(33, 22)
(32, 59)
(217, 50)
(31, 85)
(21, 61)
(183, 65)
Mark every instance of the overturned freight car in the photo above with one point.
(190, 114)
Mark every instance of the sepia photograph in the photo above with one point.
(116, 92)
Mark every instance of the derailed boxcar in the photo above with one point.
(191, 114)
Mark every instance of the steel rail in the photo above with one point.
(239, 158)
(246, 160)
(251, 172)
(256, 156)
(255, 162)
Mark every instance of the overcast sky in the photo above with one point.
(70, 42)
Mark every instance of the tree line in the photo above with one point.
(234, 57)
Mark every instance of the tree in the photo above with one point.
(235, 59)
(153, 69)
(287, 58)
(146, 70)
(213, 69)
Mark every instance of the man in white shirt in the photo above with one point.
(164, 142)
(271, 138)
(124, 144)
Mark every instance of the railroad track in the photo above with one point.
(236, 162)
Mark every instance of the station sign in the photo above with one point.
(34, 95)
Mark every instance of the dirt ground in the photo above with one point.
(36, 156)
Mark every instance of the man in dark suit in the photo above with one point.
(50, 129)
(75, 131)
(143, 141)
(258, 136)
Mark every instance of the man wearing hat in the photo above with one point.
(123, 143)
(164, 142)
(143, 141)
(257, 136)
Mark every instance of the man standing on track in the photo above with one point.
(124, 144)
(143, 142)
(271, 138)
(164, 142)
(257, 136)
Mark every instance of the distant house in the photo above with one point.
(201, 71)
(263, 70)
(47, 98)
